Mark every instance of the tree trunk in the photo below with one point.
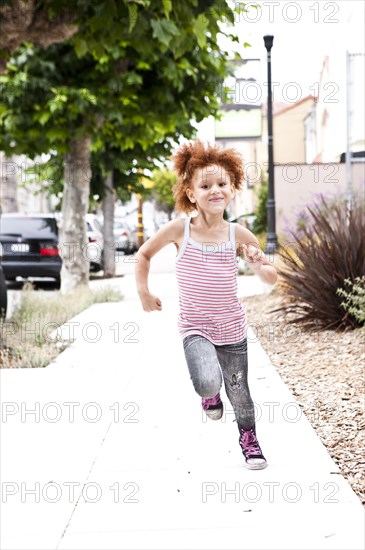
(108, 215)
(75, 204)
(9, 184)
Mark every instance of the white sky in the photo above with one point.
(304, 33)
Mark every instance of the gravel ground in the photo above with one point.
(324, 370)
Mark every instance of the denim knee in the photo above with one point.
(207, 387)
(203, 365)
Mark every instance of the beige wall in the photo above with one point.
(288, 137)
(298, 185)
(288, 128)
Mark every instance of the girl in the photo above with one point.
(212, 320)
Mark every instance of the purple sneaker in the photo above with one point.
(213, 407)
(251, 450)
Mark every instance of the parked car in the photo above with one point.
(125, 237)
(94, 233)
(3, 289)
(95, 237)
(30, 246)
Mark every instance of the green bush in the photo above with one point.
(329, 248)
(260, 223)
(354, 303)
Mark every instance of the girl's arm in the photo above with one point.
(169, 233)
(255, 256)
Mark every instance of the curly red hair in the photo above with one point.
(191, 156)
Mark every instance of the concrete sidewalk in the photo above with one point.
(118, 454)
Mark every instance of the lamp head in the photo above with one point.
(268, 39)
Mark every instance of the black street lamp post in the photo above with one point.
(271, 240)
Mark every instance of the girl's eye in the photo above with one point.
(223, 184)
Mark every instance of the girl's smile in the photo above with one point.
(211, 186)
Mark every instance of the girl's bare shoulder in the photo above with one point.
(173, 230)
(170, 232)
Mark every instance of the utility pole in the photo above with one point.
(348, 128)
(140, 239)
(349, 116)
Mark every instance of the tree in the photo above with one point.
(145, 85)
(42, 23)
(115, 174)
(112, 175)
(164, 180)
(97, 24)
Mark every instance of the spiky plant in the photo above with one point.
(354, 298)
(329, 249)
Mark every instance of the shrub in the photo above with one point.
(329, 248)
(355, 298)
(260, 223)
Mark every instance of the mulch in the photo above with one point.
(325, 372)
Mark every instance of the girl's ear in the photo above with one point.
(190, 195)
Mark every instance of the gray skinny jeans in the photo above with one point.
(209, 363)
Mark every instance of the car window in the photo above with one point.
(30, 228)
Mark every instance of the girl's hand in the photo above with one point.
(150, 302)
(253, 254)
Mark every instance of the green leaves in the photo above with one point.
(200, 27)
(110, 7)
(133, 78)
(80, 47)
(164, 180)
(43, 117)
(133, 16)
(167, 7)
(164, 30)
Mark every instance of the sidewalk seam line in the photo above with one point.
(79, 497)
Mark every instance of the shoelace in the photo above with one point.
(250, 443)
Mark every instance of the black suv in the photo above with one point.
(30, 246)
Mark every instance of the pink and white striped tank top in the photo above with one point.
(207, 281)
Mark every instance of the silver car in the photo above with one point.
(125, 238)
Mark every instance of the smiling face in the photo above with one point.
(211, 189)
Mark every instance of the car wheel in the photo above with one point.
(133, 248)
